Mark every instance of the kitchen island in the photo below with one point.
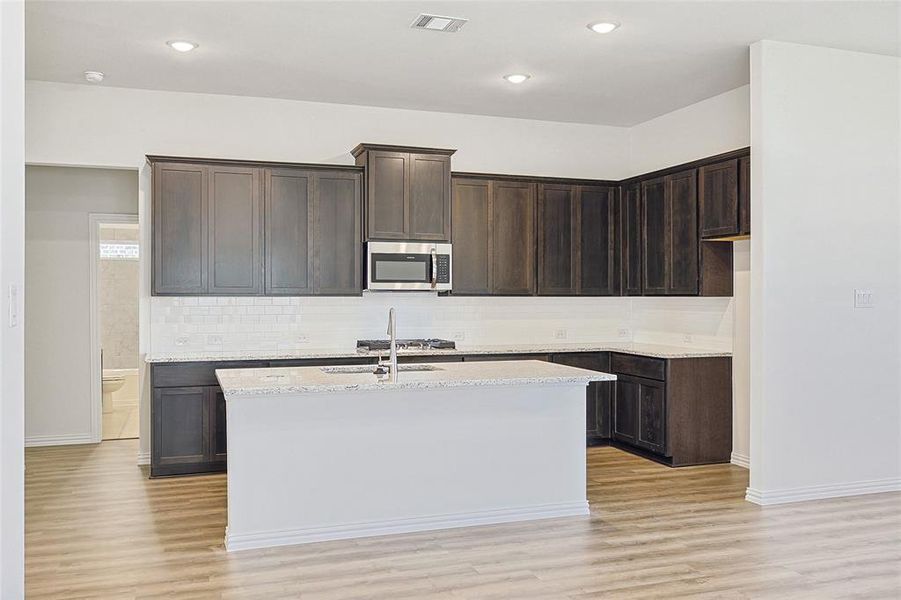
(324, 453)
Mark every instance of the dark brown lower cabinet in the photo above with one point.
(678, 411)
(181, 430)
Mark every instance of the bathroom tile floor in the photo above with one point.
(122, 421)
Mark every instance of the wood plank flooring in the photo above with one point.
(96, 527)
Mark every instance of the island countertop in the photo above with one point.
(297, 380)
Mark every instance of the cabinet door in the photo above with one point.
(597, 241)
(557, 240)
(470, 236)
(337, 233)
(682, 234)
(631, 240)
(179, 229)
(180, 426)
(744, 195)
(718, 194)
(652, 416)
(218, 440)
(625, 409)
(653, 236)
(387, 194)
(235, 261)
(288, 218)
(430, 214)
(512, 239)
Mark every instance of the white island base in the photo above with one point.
(310, 466)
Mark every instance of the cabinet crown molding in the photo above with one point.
(364, 147)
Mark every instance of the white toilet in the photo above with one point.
(112, 382)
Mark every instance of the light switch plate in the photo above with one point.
(864, 299)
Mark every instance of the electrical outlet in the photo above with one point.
(623, 333)
(560, 334)
(214, 339)
(181, 340)
(459, 336)
(302, 339)
(864, 299)
(687, 338)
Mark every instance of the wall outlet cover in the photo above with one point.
(864, 299)
(560, 334)
(181, 340)
(687, 338)
(624, 333)
(459, 336)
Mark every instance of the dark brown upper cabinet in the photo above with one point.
(630, 235)
(744, 195)
(718, 195)
(670, 235)
(337, 247)
(513, 238)
(229, 228)
(312, 232)
(235, 248)
(576, 240)
(289, 222)
(179, 218)
(408, 195)
(471, 238)
(558, 239)
(598, 264)
(494, 237)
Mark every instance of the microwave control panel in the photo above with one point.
(443, 268)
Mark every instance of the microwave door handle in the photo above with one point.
(434, 268)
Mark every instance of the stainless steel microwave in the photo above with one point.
(416, 266)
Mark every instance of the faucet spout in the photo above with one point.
(392, 332)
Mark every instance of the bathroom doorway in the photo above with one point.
(114, 314)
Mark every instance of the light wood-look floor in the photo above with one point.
(96, 527)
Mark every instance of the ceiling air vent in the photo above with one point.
(437, 23)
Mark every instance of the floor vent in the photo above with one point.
(438, 23)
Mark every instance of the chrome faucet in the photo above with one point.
(392, 332)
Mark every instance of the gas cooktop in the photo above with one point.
(412, 344)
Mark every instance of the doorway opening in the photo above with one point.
(115, 276)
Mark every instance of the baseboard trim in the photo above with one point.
(286, 537)
(822, 492)
(59, 440)
(143, 458)
(740, 460)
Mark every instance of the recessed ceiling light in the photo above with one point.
(603, 27)
(516, 77)
(182, 45)
(93, 76)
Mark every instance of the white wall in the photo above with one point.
(706, 128)
(12, 267)
(107, 126)
(825, 388)
(57, 283)
(710, 127)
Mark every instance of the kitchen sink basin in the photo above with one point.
(370, 368)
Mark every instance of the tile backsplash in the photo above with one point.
(186, 324)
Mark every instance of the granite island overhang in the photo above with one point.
(325, 453)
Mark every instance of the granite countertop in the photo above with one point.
(299, 380)
(654, 350)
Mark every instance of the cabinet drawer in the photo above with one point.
(194, 374)
(639, 366)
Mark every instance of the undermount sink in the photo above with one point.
(371, 368)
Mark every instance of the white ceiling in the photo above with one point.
(665, 56)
